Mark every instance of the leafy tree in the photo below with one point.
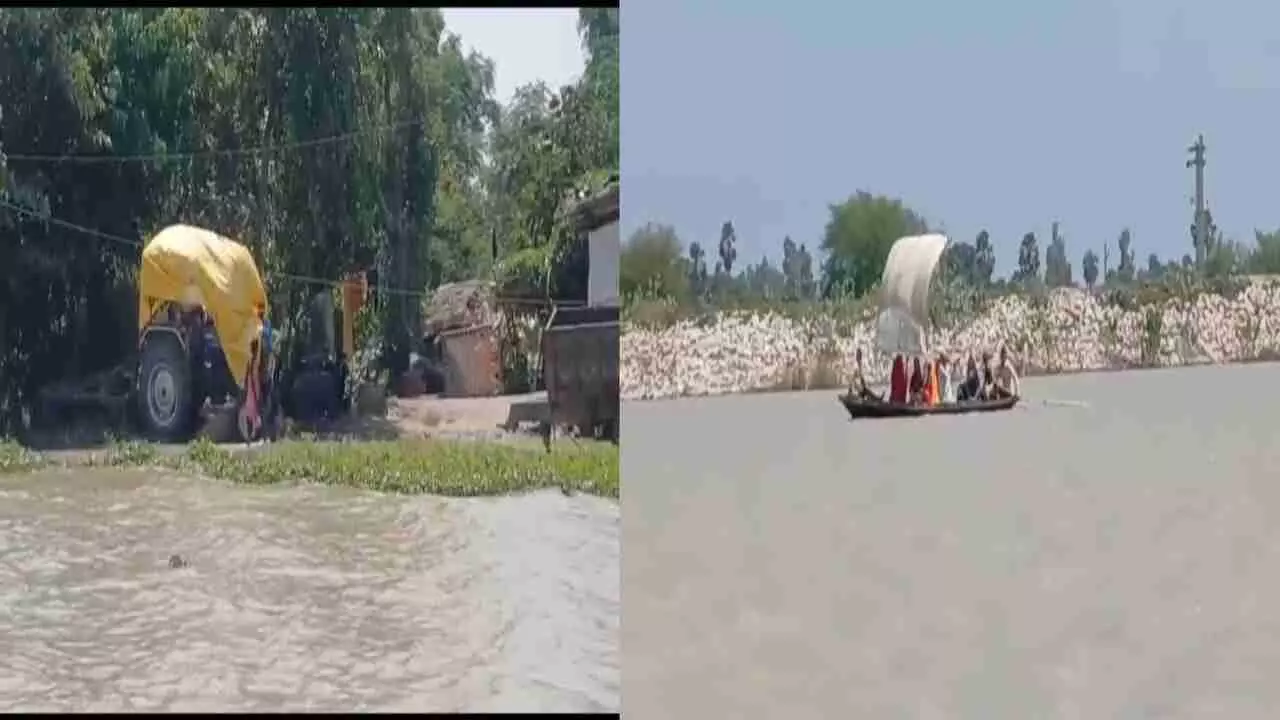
(1057, 268)
(728, 248)
(1154, 266)
(797, 269)
(697, 269)
(790, 266)
(652, 264)
(857, 239)
(805, 284)
(1126, 271)
(600, 34)
(1265, 258)
(985, 264)
(1225, 258)
(1028, 260)
(1089, 265)
(960, 262)
(764, 280)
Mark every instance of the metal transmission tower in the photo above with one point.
(1200, 230)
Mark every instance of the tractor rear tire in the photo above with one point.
(166, 403)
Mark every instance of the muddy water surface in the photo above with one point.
(1109, 550)
(301, 598)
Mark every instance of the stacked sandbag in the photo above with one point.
(1070, 331)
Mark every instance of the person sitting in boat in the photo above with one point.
(971, 388)
(929, 393)
(858, 385)
(946, 389)
(1006, 378)
(936, 380)
(897, 381)
(988, 377)
(915, 388)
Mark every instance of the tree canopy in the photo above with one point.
(857, 239)
(653, 264)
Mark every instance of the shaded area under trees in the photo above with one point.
(324, 139)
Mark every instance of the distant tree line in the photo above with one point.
(656, 264)
(856, 242)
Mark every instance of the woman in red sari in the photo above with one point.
(898, 380)
(915, 388)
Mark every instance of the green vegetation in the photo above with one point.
(14, 458)
(440, 467)
(324, 139)
(662, 283)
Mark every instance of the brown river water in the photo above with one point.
(1110, 549)
(302, 598)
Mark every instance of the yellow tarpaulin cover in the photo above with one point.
(193, 266)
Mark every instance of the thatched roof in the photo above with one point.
(459, 305)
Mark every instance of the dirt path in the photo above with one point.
(429, 415)
(488, 419)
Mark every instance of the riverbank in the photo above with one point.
(1068, 331)
(456, 468)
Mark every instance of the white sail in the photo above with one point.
(904, 293)
(897, 332)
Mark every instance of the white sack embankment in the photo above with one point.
(1074, 331)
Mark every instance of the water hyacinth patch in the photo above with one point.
(440, 467)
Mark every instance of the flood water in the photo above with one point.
(1109, 550)
(302, 598)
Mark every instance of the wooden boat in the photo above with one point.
(863, 408)
(901, 323)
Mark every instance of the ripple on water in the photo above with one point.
(303, 598)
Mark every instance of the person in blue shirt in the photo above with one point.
(266, 338)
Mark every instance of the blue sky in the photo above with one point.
(982, 114)
(526, 45)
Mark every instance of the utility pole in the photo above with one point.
(1051, 272)
(1201, 225)
(1106, 260)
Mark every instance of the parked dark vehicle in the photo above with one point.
(580, 344)
(580, 370)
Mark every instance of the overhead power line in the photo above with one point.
(81, 159)
(68, 225)
(293, 277)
